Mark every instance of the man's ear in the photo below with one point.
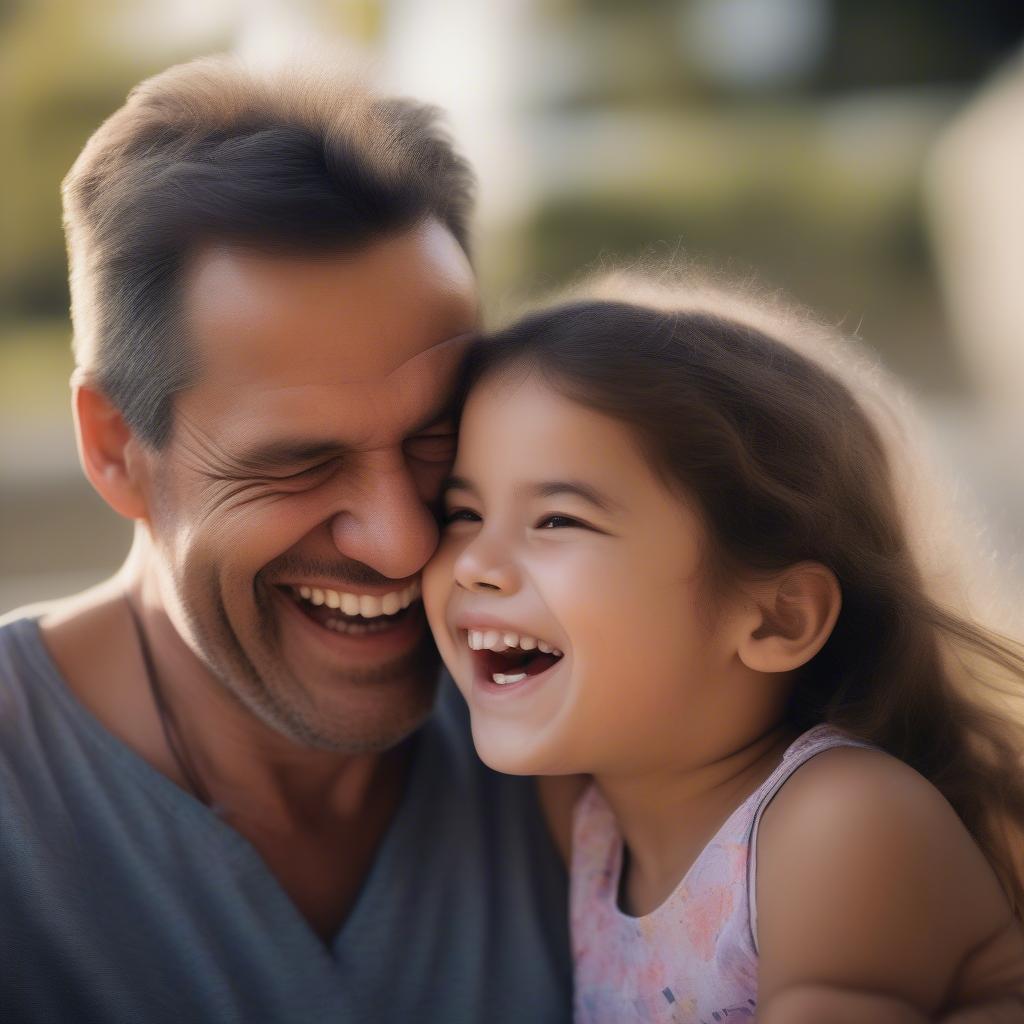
(795, 613)
(109, 451)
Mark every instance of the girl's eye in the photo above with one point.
(464, 515)
(556, 522)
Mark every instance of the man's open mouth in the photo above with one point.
(506, 658)
(354, 614)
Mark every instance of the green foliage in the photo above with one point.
(62, 71)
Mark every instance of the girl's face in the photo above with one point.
(566, 594)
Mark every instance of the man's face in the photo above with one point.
(291, 507)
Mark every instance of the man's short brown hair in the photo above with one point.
(302, 161)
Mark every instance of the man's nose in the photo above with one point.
(485, 566)
(390, 529)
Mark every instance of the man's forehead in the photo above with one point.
(351, 414)
(426, 380)
(283, 320)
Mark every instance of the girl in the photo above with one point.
(674, 560)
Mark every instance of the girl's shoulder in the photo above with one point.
(865, 873)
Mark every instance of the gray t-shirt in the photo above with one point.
(123, 899)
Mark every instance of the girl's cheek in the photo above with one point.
(437, 584)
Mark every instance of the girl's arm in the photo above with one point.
(874, 903)
(815, 1004)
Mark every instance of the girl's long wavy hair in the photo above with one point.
(794, 447)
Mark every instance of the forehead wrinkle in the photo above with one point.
(419, 363)
(425, 383)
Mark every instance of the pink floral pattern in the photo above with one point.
(693, 960)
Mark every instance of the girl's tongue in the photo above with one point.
(513, 662)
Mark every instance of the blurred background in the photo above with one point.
(866, 156)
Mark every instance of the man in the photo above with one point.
(223, 796)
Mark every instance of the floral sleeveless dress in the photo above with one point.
(693, 960)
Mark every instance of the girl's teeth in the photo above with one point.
(350, 604)
(369, 606)
(492, 640)
(503, 680)
(317, 596)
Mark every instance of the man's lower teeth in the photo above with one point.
(503, 680)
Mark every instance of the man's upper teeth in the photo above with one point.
(495, 640)
(369, 606)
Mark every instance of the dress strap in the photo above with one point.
(810, 744)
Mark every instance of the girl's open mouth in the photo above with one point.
(505, 659)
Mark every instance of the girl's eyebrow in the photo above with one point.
(458, 483)
(549, 489)
(592, 495)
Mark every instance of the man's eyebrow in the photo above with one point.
(291, 452)
(549, 489)
(288, 452)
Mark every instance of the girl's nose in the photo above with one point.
(483, 568)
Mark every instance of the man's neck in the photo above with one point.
(316, 816)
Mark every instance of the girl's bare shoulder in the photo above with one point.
(866, 878)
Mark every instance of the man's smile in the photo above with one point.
(395, 618)
(367, 606)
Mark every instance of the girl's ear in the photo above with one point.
(109, 451)
(795, 614)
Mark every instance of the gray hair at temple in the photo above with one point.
(305, 160)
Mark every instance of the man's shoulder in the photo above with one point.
(21, 648)
(25, 611)
(36, 718)
(23, 653)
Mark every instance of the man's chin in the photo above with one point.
(354, 712)
(325, 690)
